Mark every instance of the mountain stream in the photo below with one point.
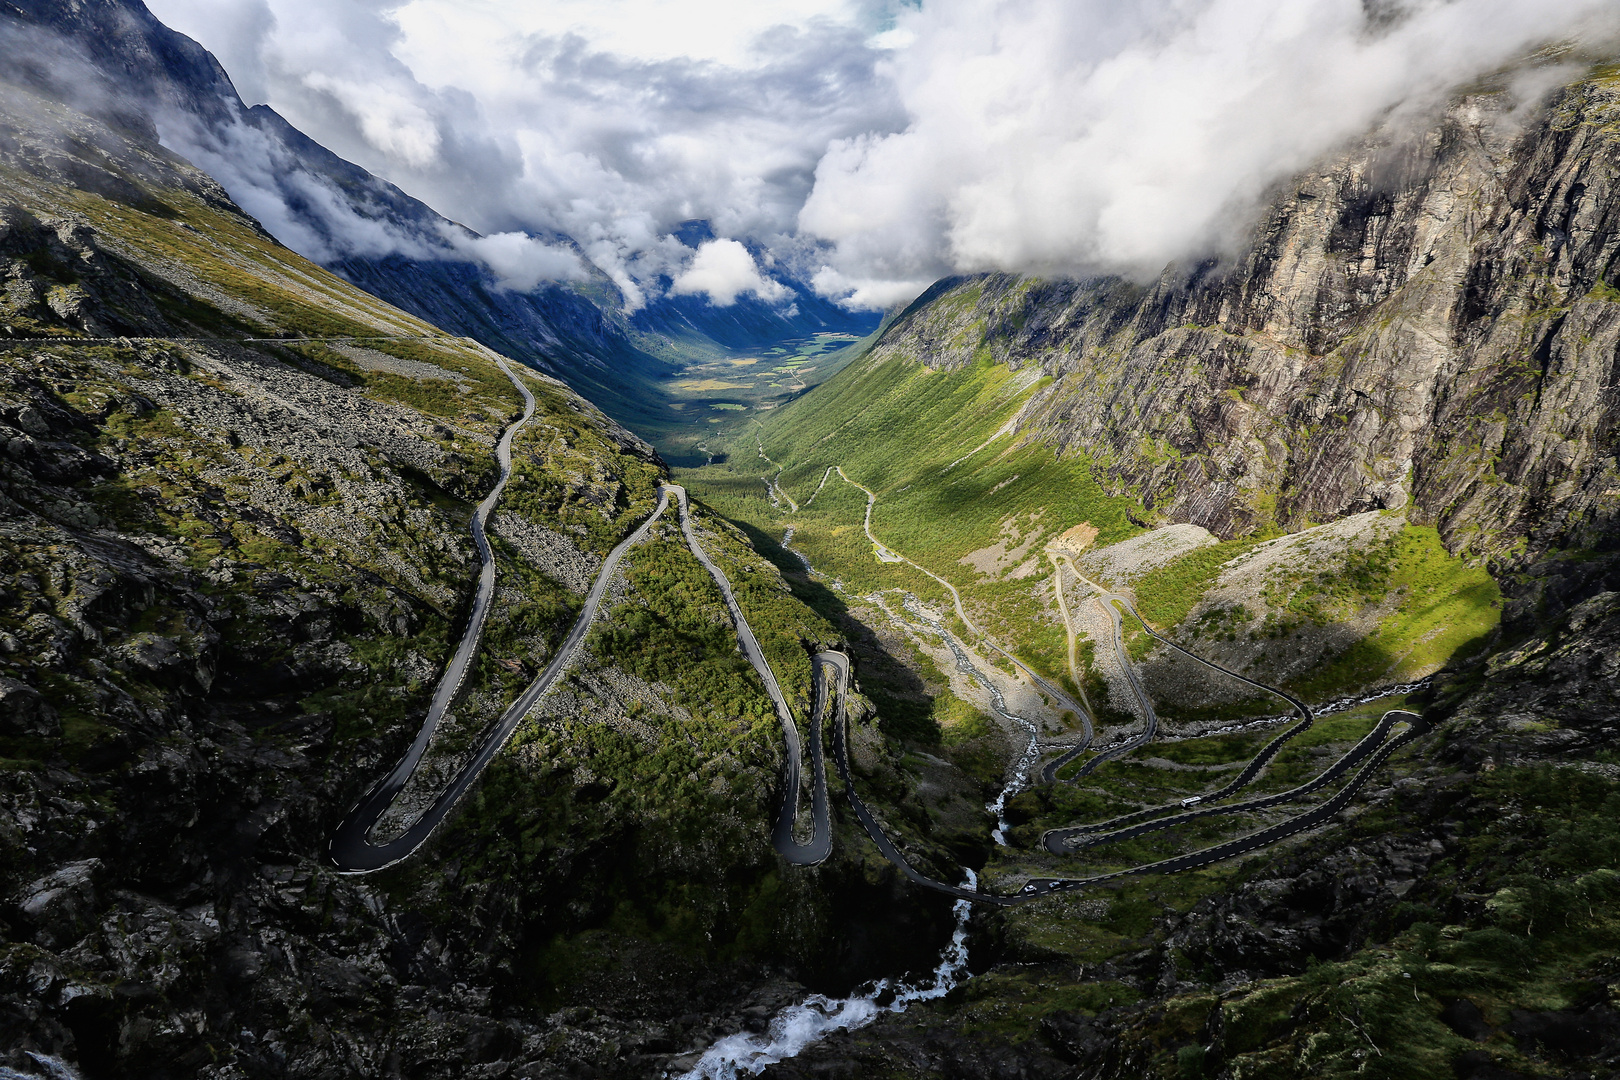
(802, 1025)
(799, 1026)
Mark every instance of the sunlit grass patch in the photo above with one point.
(1446, 607)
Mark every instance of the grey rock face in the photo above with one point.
(1426, 320)
(23, 710)
(56, 274)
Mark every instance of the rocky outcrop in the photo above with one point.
(1427, 320)
(229, 585)
(57, 276)
(234, 557)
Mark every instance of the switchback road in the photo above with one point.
(1397, 729)
(1394, 730)
(888, 554)
(820, 845)
(1070, 839)
(351, 849)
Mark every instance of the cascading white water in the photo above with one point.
(1019, 779)
(818, 1016)
(54, 1069)
(808, 1022)
(787, 538)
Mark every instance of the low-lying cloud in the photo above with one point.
(518, 260)
(869, 147)
(1081, 136)
(304, 211)
(724, 270)
(610, 122)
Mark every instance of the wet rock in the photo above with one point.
(1465, 1018)
(1579, 1034)
(62, 905)
(23, 710)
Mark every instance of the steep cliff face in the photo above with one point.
(1426, 325)
(1427, 320)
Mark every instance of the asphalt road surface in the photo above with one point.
(1396, 729)
(1405, 727)
(1250, 772)
(833, 668)
(351, 849)
(1069, 841)
(820, 843)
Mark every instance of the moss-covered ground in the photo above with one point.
(1520, 916)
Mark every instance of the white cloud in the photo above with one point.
(610, 121)
(267, 183)
(394, 124)
(724, 270)
(518, 260)
(328, 224)
(868, 294)
(1087, 135)
(889, 141)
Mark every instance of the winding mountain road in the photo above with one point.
(1395, 733)
(1071, 840)
(833, 667)
(820, 844)
(1394, 730)
(351, 849)
(1071, 644)
(888, 554)
(1251, 771)
(1151, 728)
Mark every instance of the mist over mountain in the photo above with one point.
(535, 297)
(872, 147)
(625, 540)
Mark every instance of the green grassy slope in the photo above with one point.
(977, 505)
(948, 481)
